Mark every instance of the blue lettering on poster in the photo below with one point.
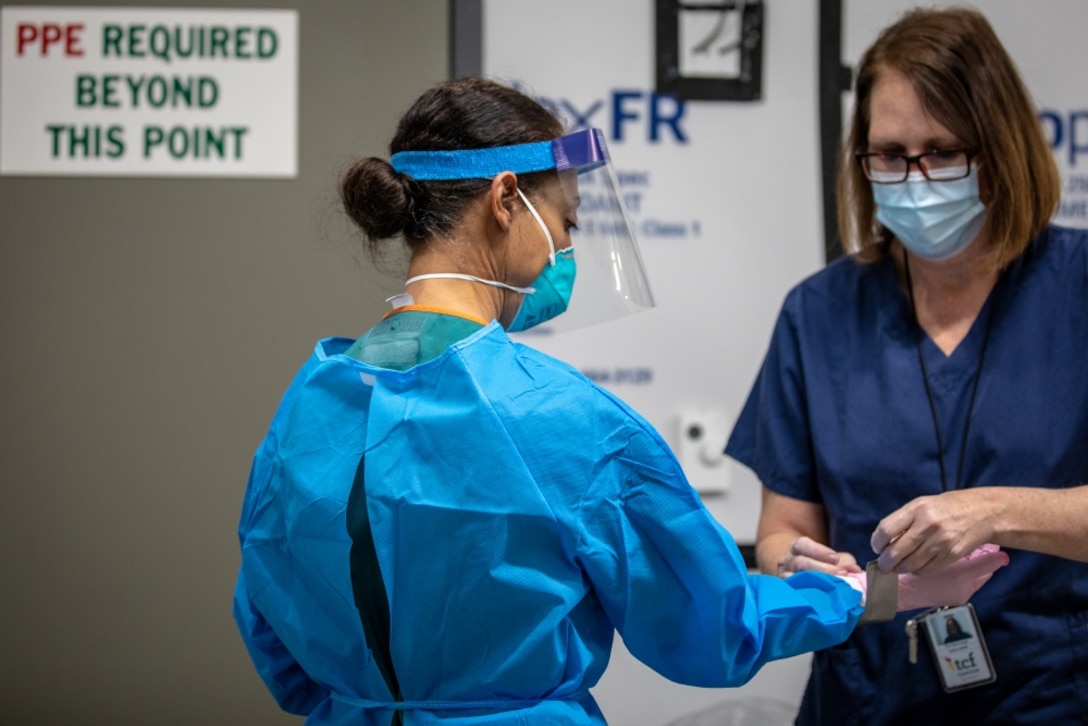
(624, 113)
(1067, 132)
(627, 114)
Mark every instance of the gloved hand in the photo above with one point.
(952, 586)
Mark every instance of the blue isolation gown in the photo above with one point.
(521, 516)
(838, 415)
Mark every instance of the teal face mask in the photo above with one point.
(551, 293)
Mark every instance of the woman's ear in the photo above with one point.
(502, 197)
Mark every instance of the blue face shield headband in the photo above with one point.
(611, 280)
(581, 151)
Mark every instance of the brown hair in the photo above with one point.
(965, 80)
(466, 113)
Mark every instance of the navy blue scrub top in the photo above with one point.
(839, 415)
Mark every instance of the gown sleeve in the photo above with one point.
(293, 689)
(674, 583)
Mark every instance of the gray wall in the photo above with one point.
(150, 326)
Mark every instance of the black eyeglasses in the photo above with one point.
(889, 167)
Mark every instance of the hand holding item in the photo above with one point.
(931, 532)
(952, 586)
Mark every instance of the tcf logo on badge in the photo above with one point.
(962, 664)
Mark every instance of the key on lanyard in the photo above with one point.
(912, 641)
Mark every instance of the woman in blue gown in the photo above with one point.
(928, 393)
(446, 526)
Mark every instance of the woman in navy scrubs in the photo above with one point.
(928, 393)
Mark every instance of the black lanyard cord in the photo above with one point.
(925, 376)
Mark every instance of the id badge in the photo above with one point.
(959, 650)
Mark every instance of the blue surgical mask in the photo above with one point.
(934, 220)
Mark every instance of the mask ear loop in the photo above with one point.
(536, 216)
(470, 278)
(406, 299)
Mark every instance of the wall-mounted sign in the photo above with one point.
(148, 92)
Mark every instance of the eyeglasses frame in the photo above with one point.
(916, 160)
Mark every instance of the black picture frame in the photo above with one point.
(747, 85)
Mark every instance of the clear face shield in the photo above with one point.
(610, 280)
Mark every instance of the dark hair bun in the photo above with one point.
(378, 199)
